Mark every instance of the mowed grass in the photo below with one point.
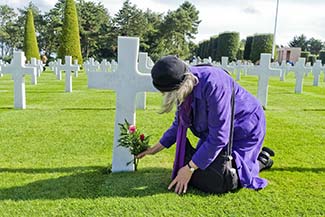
(54, 156)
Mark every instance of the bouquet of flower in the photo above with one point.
(134, 140)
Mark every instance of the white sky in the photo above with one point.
(248, 17)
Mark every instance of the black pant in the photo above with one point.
(215, 178)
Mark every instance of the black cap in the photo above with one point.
(168, 73)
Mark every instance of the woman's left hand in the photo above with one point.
(181, 180)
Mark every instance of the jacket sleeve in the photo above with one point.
(218, 99)
(169, 137)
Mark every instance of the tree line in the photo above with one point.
(229, 44)
(160, 34)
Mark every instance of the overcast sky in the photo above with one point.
(248, 17)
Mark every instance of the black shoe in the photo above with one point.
(265, 158)
(266, 163)
(269, 151)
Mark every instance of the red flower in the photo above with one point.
(132, 128)
(142, 137)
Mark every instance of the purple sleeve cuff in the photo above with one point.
(166, 143)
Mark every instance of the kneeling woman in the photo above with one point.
(203, 95)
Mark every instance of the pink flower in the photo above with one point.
(132, 128)
(142, 137)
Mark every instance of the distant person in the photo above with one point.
(44, 61)
(203, 95)
(290, 62)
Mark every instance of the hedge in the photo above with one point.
(261, 44)
(213, 47)
(305, 54)
(312, 59)
(240, 54)
(248, 47)
(322, 56)
(228, 44)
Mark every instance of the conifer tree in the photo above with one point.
(70, 39)
(30, 42)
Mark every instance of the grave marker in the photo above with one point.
(300, 70)
(18, 69)
(224, 64)
(284, 68)
(126, 81)
(33, 63)
(68, 67)
(143, 68)
(317, 69)
(263, 71)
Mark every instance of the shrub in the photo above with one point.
(240, 54)
(248, 47)
(228, 44)
(322, 56)
(312, 59)
(305, 54)
(213, 47)
(261, 44)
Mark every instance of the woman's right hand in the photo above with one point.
(150, 151)
(144, 153)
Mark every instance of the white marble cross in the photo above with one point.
(150, 62)
(58, 69)
(239, 68)
(317, 69)
(68, 67)
(284, 68)
(75, 63)
(91, 65)
(114, 65)
(18, 69)
(105, 66)
(225, 65)
(143, 68)
(309, 67)
(2, 64)
(300, 70)
(263, 71)
(126, 81)
(33, 63)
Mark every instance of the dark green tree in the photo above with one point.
(93, 17)
(70, 39)
(30, 41)
(299, 41)
(248, 47)
(7, 20)
(49, 39)
(130, 21)
(10, 31)
(178, 28)
(322, 56)
(261, 44)
(314, 45)
(228, 44)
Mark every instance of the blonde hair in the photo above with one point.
(178, 96)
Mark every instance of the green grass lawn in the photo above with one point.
(54, 156)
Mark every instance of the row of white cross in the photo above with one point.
(266, 69)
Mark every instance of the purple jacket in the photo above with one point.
(211, 107)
